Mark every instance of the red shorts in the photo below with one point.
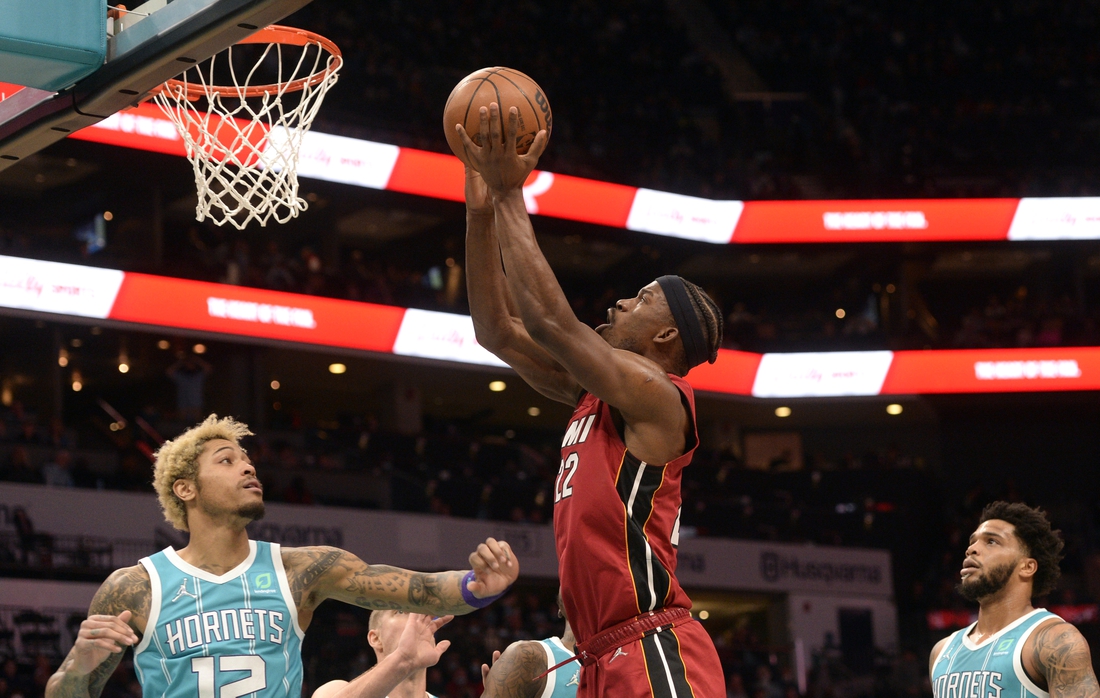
(676, 663)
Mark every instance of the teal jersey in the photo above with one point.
(563, 681)
(220, 636)
(991, 668)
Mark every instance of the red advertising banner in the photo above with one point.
(79, 291)
(875, 220)
(234, 310)
(993, 370)
(733, 373)
(361, 163)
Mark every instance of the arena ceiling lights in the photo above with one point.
(381, 166)
(144, 300)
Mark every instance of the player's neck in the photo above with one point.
(568, 641)
(215, 549)
(1000, 610)
(414, 686)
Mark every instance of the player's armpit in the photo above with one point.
(517, 673)
(322, 572)
(936, 653)
(1062, 655)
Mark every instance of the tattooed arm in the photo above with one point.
(1061, 655)
(116, 616)
(517, 673)
(320, 573)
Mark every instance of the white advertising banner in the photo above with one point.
(446, 336)
(52, 287)
(344, 160)
(428, 542)
(682, 216)
(1056, 218)
(822, 374)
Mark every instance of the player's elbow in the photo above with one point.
(492, 338)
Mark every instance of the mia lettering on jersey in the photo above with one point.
(207, 628)
(577, 433)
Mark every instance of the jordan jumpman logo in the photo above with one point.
(183, 592)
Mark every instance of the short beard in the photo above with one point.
(252, 512)
(994, 579)
(624, 343)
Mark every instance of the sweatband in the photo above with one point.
(687, 321)
(471, 600)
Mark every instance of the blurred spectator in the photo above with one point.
(18, 468)
(189, 374)
(57, 471)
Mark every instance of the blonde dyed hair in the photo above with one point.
(178, 459)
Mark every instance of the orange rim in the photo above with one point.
(275, 34)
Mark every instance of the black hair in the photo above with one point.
(1040, 542)
(710, 317)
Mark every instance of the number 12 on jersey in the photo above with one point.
(255, 681)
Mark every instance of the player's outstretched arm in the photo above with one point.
(319, 573)
(518, 672)
(116, 615)
(416, 650)
(1062, 655)
(497, 326)
(635, 385)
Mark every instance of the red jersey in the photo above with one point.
(616, 521)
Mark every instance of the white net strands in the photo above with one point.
(243, 147)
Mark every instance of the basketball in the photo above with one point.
(508, 88)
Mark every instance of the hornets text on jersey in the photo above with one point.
(992, 668)
(220, 636)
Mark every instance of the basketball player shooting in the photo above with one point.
(225, 615)
(1013, 649)
(617, 494)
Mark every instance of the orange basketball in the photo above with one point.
(508, 88)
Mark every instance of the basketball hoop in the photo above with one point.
(244, 146)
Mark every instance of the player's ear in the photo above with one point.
(666, 334)
(1027, 567)
(374, 640)
(184, 489)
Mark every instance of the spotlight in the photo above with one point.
(337, 368)
(498, 386)
(783, 411)
(894, 408)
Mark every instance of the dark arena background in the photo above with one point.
(891, 202)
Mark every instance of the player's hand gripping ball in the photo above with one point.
(508, 88)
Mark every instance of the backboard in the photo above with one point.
(151, 44)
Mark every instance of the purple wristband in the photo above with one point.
(470, 599)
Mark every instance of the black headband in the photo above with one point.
(687, 321)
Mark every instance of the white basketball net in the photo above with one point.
(244, 149)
